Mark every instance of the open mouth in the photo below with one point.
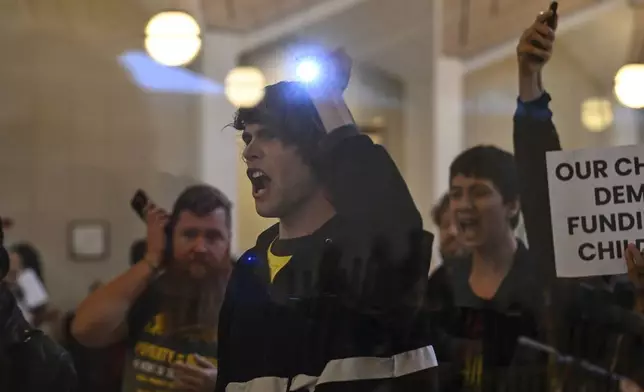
(467, 224)
(259, 180)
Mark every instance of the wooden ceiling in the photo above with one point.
(471, 26)
(247, 15)
(637, 42)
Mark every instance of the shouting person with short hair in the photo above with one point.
(495, 289)
(167, 305)
(328, 298)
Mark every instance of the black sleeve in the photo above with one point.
(43, 365)
(630, 361)
(369, 193)
(440, 314)
(534, 135)
(224, 351)
(366, 187)
(37, 362)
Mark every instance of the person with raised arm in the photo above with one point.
(166, 306)
(570, 310)
(329, 298)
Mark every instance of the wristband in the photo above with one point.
(155, 268)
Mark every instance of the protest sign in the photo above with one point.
(597, 207)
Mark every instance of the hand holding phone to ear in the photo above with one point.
(156, 220)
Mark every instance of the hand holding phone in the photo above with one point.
(156, 220)
(551, 22)
(139, 203)
(535, 45)
(553, 19)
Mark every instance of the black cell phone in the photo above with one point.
(552, 23)
(139, 202)
(552, 20)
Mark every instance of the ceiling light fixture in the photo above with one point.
(173, 38)
(629, 86)
(597, 114)
(244, 86)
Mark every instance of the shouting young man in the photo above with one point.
(167, 305)
(328, 298)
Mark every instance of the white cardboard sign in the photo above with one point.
(597, 207)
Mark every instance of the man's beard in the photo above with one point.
(191, 305)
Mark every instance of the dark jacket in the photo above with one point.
(581, 319)
(476, 338)
(343, 313)
(29, 360)
(99, 369)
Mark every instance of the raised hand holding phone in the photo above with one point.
(536, 43)
(534, 51)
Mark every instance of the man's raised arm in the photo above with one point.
(363, 181)
(369, 193)
(102, 318)
(534, 135)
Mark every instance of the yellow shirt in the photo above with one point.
(276, 263)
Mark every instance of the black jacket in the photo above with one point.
(580, 320)
(476, 338)
(343, 313)
(29, 360)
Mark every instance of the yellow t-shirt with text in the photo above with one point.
(148, 366)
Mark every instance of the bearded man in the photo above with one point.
(166, 307)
